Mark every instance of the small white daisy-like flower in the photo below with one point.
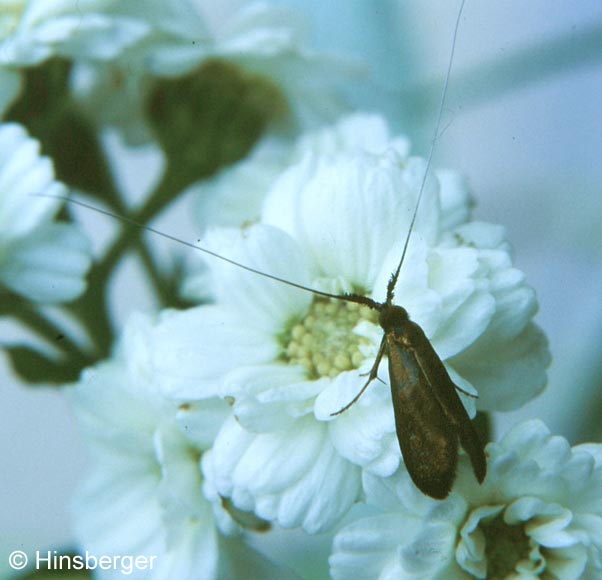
(32, 31)
(40, 259)
(259, 38)
(144, 493)
(538, 514)
(234, 197)
(289, 360)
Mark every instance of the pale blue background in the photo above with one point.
(532, 156)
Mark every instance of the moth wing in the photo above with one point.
(427, 438)
(446, 393)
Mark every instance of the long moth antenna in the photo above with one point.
(345, 297)
(395, 276)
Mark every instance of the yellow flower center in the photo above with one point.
(324, 342)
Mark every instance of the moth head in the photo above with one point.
(392, 316)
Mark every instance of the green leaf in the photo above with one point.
(34, 367)
(211, 117)
(50, 115)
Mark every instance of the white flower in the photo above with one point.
(259, 38)
(234, 197)
(538, 514)
(143, 495)
(32, 31)
(289, 361)
(40, 259)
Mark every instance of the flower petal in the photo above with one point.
(260, 302)
(509, 375)
(193, 349)
(366, 194)
(361, 550)
(292, 476)
(49, 265)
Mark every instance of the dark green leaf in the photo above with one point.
(34, 367)
(50, 115)
(212, 117)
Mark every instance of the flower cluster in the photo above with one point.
(40, 259)
(143, 493)
(288, 361)
(537, 515)
(221, 435)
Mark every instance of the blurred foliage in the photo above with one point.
(46, 109)
(34, 367)
(203, 122)
(211, 117)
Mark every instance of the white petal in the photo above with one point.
(483, 235)
(263, 303)
(110, 412)
(193, 349)
(119, 514)
(235, 195)
(47, 28)
(358, 132)
(219, 463)
(323, 496)
(451, 274)
(509, 375)
(337, 394)
(431, 552)
(455, 199)
(95, 36)
(398, 493)
(23, 172)
(194, 557)
(464, 326)
(361, 550)
(49, 265)
(200, 422)
(572, 564)
(180, 487)
(413, 292)
(275, 461)
(268, 396)
(293, 476)
(366, 194)
(365, 434)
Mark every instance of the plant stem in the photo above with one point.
(31, 317)
(93, 309)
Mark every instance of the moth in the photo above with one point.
(431, 421)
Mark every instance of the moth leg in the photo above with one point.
(466, 392)
(377, 377)
(373, 374)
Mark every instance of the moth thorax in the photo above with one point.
(323, 341)
(392, 316)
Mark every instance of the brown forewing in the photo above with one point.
(429, 416)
